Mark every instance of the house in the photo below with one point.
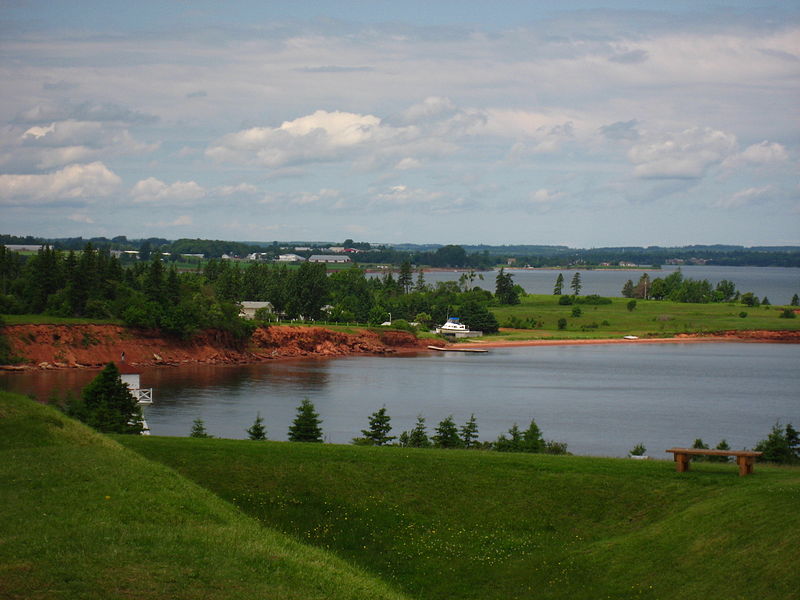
(329, 258)
(249, 308)
(289, 258)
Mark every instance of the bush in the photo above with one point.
(638, 450)
(577, 312)
(781, 446)
(787, 313)
(742, 314)
(565, 300)
(562, 323)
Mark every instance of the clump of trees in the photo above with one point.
(106, 404)
(782, 445)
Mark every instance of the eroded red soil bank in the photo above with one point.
(75, 346)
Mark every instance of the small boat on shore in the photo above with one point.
(441, 349)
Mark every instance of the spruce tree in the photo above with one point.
(700, 445)
(379, 428)
(108, 405)
(576, 284)
(447, 434)
(306, 425)
(199, 429)
(723, 445)
(557, 289)
(417, 437)
(257, 431)
(532, 439)
(469, 432)
(512, 444)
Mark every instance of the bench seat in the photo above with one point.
(746, 459)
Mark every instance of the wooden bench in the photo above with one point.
(744, 458)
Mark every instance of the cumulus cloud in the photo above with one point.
(152, 190)
(244, 189)
(78, 181)
(325, 198)
(684, 155)
(320, 136)
(408, 163)
(764, 153)
(81, 218)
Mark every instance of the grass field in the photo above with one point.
(87, 516)
(84, 518)
(650, 317)
(469, 524)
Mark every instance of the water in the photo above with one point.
(600, 399)
(777, 283)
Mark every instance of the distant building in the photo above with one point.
(329, 258)
(289, 258)
(249, 308)
(23, 247)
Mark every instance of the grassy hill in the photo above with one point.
(469, 524)
(82, 517)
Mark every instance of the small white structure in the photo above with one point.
(130, 377)
(249, 308)
(457, 330)
(289, 258)
(329, 258)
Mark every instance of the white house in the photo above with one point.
(249, 308)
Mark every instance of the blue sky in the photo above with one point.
(578, 123)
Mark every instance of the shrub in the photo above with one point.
(787, 313)
(781, 446)
(199, 429)
(742, 314)
(565, 300)
(577, 312)
(638, 450)
(562, 323)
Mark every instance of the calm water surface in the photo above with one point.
(601, 400)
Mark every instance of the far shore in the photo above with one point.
(774, 337)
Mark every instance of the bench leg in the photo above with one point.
(745, 465)
(681, 462)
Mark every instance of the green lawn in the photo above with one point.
(650, 317)
(88, 516)
(84, 518)
(479, 525)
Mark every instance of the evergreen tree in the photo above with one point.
(576, 284)
(558, 288)
(505, 292)
(532, 439)
(781, 446)
(417, 437)
(108, 405)
(446, 435)
(723, 445)
(627, 289)
(405, 278)
(199, 429)
(795, 301)
(698, 443)
(257, 431)
(306, 425)
(469, 432)
(379, 428)
(512, 444)
(420, 284)
(765, 301)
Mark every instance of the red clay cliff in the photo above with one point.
(63, 346)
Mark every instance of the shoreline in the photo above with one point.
(751, 337)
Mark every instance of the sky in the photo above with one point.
(578, 123)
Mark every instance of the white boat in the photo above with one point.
(452, 326)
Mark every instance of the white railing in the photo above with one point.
(143, 395)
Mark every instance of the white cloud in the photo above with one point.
(747, 196)
(684, 155)
(764, 153)
(78, 181)
(152, 190)
(325, 198)
(244, 189)
(320, 136)
(81, 218)
(431, 107)
(408, 163)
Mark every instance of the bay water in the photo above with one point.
(599, 399)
